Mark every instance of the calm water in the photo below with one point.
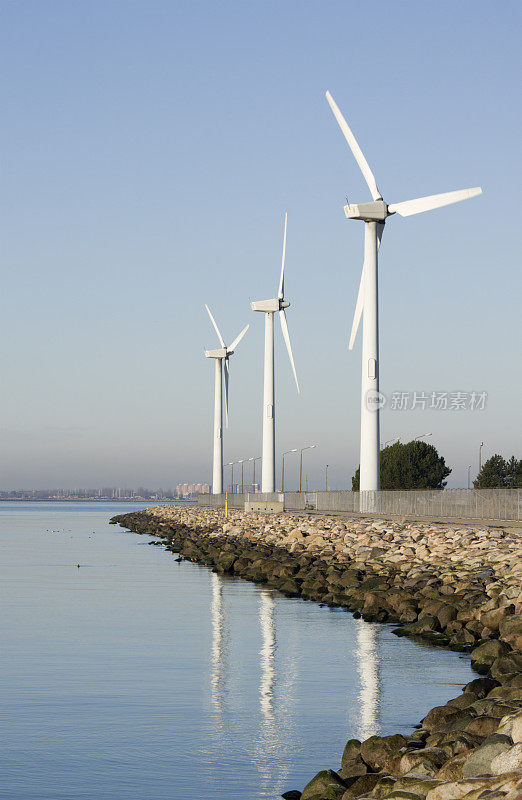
(137, 677)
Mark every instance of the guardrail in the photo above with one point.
(478, 504)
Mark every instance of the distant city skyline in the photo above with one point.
(148, 159)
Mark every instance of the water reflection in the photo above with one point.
(267, 653)
(368, 669)
(219, 650)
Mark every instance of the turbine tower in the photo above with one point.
(221, 354)
(374, 216)
(269, 308)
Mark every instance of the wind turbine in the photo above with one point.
(221, 354)
(374, 216)
(269, 308)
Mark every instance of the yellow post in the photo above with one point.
(226, 505)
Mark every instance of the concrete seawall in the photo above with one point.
(458, 587)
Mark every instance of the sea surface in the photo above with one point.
(133, 676)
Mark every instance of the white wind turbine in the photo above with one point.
(374, 216)
(221, 354)
(269, 308)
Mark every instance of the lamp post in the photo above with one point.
(231, 464)
(422, 435)
(294, 450)
(326, 478)
(395, 439)
(469, 477)
(241, 461)
(310, 447)
(257, 458)
(480, 456)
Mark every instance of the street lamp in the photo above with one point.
(326, 478)
(395, 439)
(241, 461)
(231, 464)
(480, 456)
(469, 477)
(257, 458)
(422, 435)
(294, 450)
(310, 447)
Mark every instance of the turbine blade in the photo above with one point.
(286, 337)
(238, 339)
(354, 147)
(215, 326)
(380, 231)
(359, 305)
(358, 311)
(421, 204)
(226, 366)
(281, 292)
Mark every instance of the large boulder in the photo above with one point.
(509, 760)
(326, 784)
(426, 761)
(493, 618)
(439, 716)
(481, 686)
(479, 762)
(467, 787)
(508, 664)
(362, 786)
(483, 656)
(483, 725)
(376, 750)
(416, 783)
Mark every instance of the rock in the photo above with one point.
(468, 787)
(353, 768)
(492, 619)
(362, 785)
(463, 701)
(515, 793)
(438, 717)
(483, 656)
(377, 749)
(293, 794)
(483, 726)
(452, 769)
(481, 686)
(383, 787)
(427, 761)
(509, 760)
(326, 784)
(507, 665)
(516, 727)
(404, 794)
(479, 762)
(419, 784)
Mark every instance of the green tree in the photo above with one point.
(497, 473)
(414, 465)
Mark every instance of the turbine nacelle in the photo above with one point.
(368, 212)
(221, 352)
(269, 306)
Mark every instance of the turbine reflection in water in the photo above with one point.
(368, 669)
(218, 674)
(267, 653)
(276, 733)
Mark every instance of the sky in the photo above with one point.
(148, 152)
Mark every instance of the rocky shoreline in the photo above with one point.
(458, 587)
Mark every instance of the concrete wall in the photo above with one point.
(487, 504)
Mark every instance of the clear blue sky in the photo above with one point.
(148, 152)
